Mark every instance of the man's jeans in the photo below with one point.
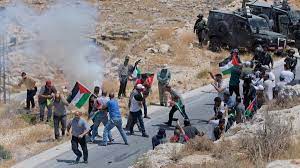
(30, 98)
(63, 121)
(82, 142)
(114, 122)
(42, 111)
(101, 117)
(137, 116)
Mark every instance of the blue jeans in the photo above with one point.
(101, 117)
(114, 122)
(42, 111)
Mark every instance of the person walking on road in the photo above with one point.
(30, 85)
(163, 78)
(79, 130)
(45, 96)
(59, 114)
(123, 72)
(100, 116)
(176, 103)
(145, 92)
(136, 113)
(114, 121)
(91, 108)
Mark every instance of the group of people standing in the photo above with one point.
(259, 87)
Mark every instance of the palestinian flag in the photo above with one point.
(79, 95)
(250, 108)
(227, 65)
(136, 72)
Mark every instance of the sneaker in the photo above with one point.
(147, 117)
(127, 143)
(77, 159)
(145, 135)
(162, 104)
(112, 141)
(26, 108)
(85, 162)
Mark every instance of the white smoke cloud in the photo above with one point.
(60, 34)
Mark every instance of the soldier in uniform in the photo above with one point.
(199, 28)
(291, 60)
(297, 36)
(263, 57)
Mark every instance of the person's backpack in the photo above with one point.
(200, 26)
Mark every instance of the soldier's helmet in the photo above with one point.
(200, 15)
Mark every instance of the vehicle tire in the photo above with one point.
(214, 44)
(266, 18)
(223, 29)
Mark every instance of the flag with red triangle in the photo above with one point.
(79, 95)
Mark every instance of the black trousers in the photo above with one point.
(30, 98)
(122, 89)
(75, 141)
(235, 89)
(137, 116)
(173, 110)
(200, 38)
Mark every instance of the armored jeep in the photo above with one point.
(239, 30)
(281, 17)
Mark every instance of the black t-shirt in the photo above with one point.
(191, 131)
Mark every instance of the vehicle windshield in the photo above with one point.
(294, 15)
(260, 23)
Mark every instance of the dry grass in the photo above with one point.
(198, 144)
(176, 155)
(187, 38)
(296, 3)
(163, 34)
(203, 74)
(269, 142)
(284, 103)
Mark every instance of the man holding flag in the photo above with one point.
(231, 65)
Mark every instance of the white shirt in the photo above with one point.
(288, 76)
(272, 78)
(135, 105)
(220, 85)
(268, 89)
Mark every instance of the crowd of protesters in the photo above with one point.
(259, 86)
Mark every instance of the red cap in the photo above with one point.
(48, 82)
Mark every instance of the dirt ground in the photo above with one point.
(158, 32)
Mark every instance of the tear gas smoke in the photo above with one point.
(60, 35)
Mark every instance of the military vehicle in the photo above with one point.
(281, 17)
(238, 29)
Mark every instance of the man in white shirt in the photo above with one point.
(268, 87)
(287, 75)
(136, 112)
(218, 84)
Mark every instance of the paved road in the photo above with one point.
(198, 107)
(121, 156)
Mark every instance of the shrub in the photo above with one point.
(29, 118)
(269, 142)
(176, 155)
(4, 154)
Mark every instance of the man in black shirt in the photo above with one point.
(190, 130)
